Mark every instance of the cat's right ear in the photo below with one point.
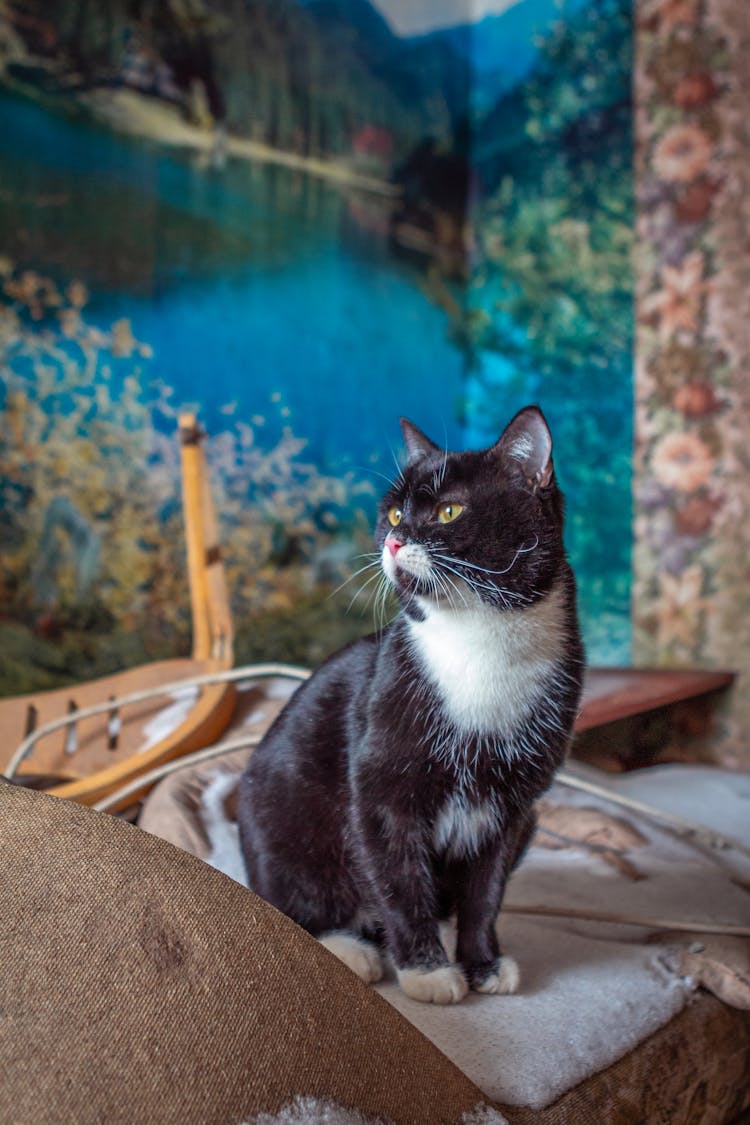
(527, 442)
(417, 445)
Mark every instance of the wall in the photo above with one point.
(302, 220)
(691, 593)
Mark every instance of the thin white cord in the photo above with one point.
(630, 919)
(231, 675)
(146, 780)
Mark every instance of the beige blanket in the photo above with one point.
(590, 991)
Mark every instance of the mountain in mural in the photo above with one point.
(319, 78)
(359, 22)
(502, 49)
(468, 63)
(423, 71)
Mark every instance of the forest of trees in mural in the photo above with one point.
(335, 225)
(304, 77)
(552, 288)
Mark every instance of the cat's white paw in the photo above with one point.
(362, 957)
(446, 985)
(504, 981)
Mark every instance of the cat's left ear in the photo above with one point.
(527, 441)
(417, 445)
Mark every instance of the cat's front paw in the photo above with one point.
(362, 957)
(503, 981)
(446, 985)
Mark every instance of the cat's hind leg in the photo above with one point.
(358, 954)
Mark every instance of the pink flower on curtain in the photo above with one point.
(677, 305)
(682, 462)
(680, 607)
(682, 154)
(666, 15)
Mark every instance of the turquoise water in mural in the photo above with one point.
(248, 283)
(268, 296)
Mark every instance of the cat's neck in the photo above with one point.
(490, 667)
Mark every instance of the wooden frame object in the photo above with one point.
(88, 740)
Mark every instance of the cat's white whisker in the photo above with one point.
(383, 476)
(439, 587)
(360, 591)
(438, 477)
(380, 610)
(375, 562)
(486, 570)
(399, 478)
(455, 585)
(473, 584)
(378, 606)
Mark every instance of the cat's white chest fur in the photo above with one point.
(491, 667)
(461, 826)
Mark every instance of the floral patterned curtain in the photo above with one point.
(691, 592)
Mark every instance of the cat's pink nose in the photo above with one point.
(394, 545)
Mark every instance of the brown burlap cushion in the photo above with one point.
(138, 984)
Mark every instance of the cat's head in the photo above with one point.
(479, 526)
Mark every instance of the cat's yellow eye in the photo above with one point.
(448, 512)
(395, 515)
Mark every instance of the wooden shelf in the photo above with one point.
(610, 694)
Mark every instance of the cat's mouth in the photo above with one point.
(407, 565)
(410, 570)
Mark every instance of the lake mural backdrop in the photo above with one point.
(303, 220)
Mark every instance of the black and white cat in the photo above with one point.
(397, 786)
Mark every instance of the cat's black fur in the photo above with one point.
(397, 786)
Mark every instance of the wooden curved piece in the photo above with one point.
(97, 754)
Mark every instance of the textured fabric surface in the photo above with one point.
(718, 963)
(314, 1111)
(693, 1071)
(175, 809)
(140, 985)
(589, 993)
(583, 1002)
